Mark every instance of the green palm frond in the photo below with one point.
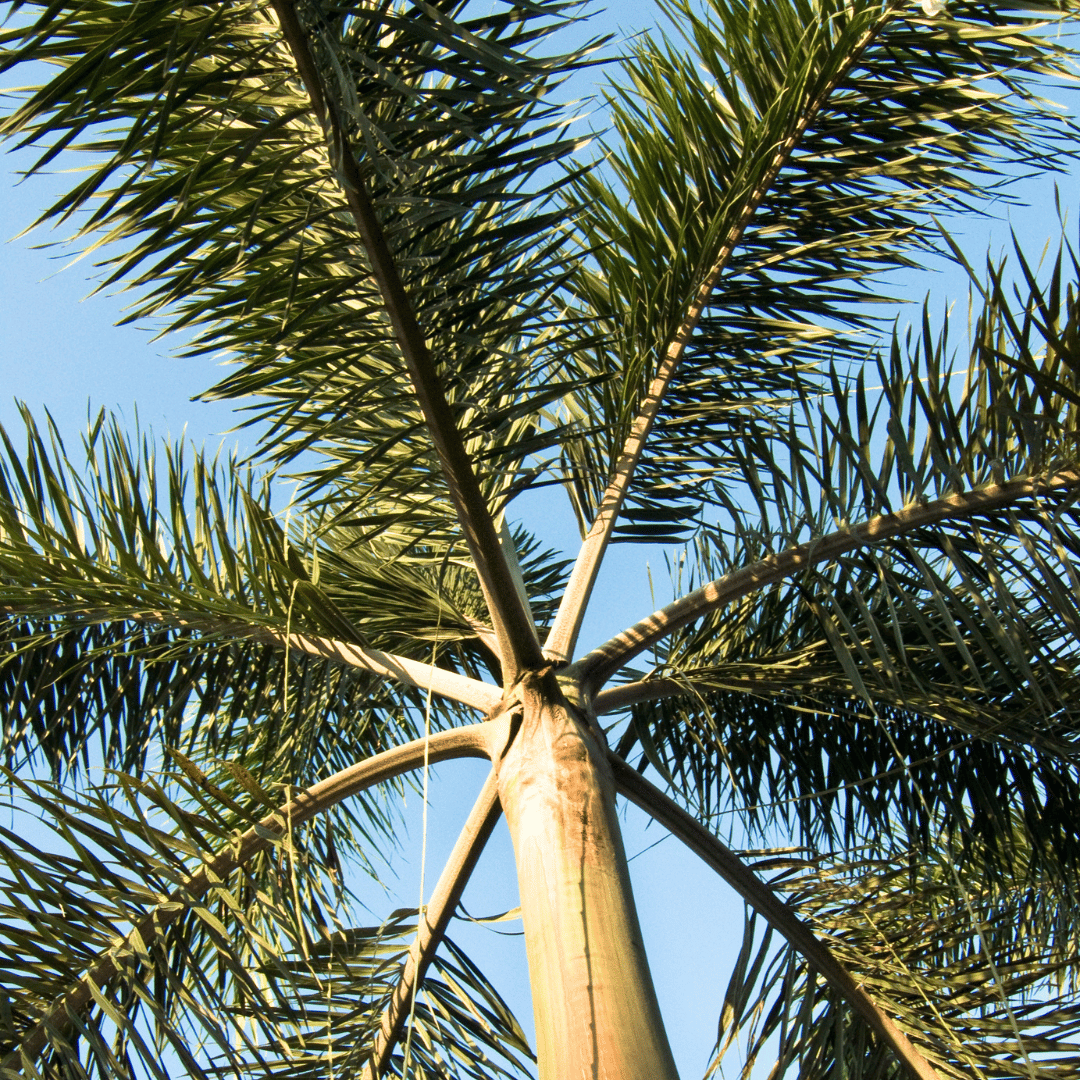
(981, 977)
(125, 847)
(861, 699)
(115, 539)
(328, 1011)
(769, 168)
(211, 170)
(824, 769)
(918, 425)
(262, 965)
(114, 694)
(147, 606)
(403, 593)
(932, 675)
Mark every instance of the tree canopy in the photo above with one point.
(438, 294)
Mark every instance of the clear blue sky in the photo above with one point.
(62, 351)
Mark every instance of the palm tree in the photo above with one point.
(437, 298)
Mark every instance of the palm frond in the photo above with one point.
(251, 958)
(328, 1009)
(929, 679)
(451, 119)
(143, 611)
(925, 677)
(769, 168)
(123, 847)
(983, 978)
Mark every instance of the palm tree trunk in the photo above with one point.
(596, 1012)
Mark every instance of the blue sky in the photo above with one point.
(62, 351)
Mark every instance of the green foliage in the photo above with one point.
(946, 662)
(787, 155)
(257, 974)
(247, 239)
(179, 654)
(973, 970)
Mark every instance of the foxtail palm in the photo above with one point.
(437, 298)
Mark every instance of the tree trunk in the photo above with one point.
(596, 1012)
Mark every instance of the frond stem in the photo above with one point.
(446, 684)
(567, 625)
(436, 917)
(765, 901)
(477, 740)
(518, 644)
(599, 665)
(616, 698)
